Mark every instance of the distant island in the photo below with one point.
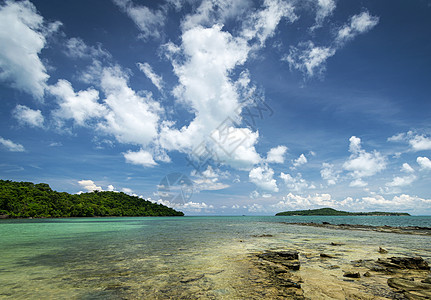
(332, 212)
(26, 199)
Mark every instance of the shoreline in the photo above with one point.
(415, 230)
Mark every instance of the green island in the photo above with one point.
(26, 199)
(332, 212)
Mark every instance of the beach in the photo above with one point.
(205, 258)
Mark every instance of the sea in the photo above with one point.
(177, 257)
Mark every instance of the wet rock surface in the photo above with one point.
(280, 267)
(417, 230)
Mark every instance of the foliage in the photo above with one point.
(26, 199)
(332, 212)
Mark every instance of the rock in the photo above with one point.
(427, 280)
(326, 223)
(336, 244)
(367, 274)
(191, 279)
(4, 216)
(292, 265)
(288, 259)
(412, 263)
(410, 288)
(382, 251)
(323, 255)
(352, 274)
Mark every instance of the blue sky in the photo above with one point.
(221, 107)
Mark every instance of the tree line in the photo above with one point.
(26, 199)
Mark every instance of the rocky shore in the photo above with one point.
(384, 278)
(391, 229)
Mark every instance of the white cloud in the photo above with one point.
(292, 201)
(301, 160)
(262, 24)
(79, 107)
(111, 188)
(400, 181)
(28, 116)
(276, 155)
(190, 206)
(407, 168)
(11, 146)
(311, 59)
(295, 184)
(141, 157)
(402, 202)
(23, 36)
(149, 21)
(148, 71)
(256, 208)
(131, 118)
(308, 58)
(212, 12)
(358, 183)
(361, 163)
(420, 143)
(359, 24)
(262, 177)
(209, 180)
(424, 163)
(325, 8)
(329, 174)
(128, 191)
(89, 185)
(77, 48)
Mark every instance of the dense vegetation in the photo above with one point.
(26, 199)
(332, 212)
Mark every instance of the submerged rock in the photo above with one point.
(410, 288)
(382, 251)
(352, 274)
(413, 263)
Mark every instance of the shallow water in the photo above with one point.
(182, 257)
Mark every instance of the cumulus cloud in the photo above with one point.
(89, 185)
(263, 178)
(424, 163)
(329, 174)
(131, 118)
(311, 59)
(148, 71)
(211, 12)
(149, 21)
(28, 116)
(209, 180)
(301, 160)
(141, 157)
(407, 168)
(361, 163)
(401, 202)
(295, 184)
(11, 146)
(292, 201)
(79, 107)
(420, 143)
(400, 181)
(190, 206)
(276, 155)
(23, 36)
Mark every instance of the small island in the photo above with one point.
(332, 212)
(29, 200)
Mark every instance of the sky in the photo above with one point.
(220, 107)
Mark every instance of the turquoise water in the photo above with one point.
(159, 258)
